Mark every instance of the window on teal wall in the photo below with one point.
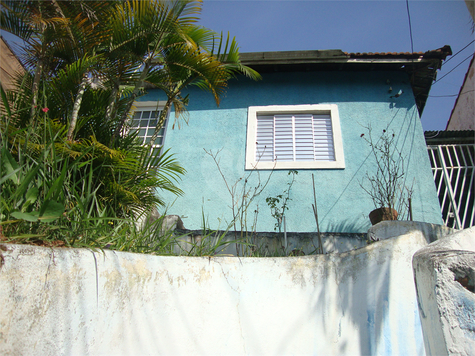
(145, 121)
(294, 137)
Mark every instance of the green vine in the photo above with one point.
(278, 204)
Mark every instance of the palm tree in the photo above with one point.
(90, 60)
(36, 23)
(171, 52)
(120, 47)
(209, 66)
(56, 35)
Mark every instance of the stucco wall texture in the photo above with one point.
(463, 113)
(445, 274)
(363, 99)
(79, 302)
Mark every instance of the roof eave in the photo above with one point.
(421, 67)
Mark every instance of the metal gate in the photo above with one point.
(453, 169)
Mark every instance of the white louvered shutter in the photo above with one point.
(323, 138)
(265, 139)
(303, 133)
(283, 138)
(290, 138)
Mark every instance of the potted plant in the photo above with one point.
(386, 185)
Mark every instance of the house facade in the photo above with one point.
(298, 136)
(462, 116)
(9, 65)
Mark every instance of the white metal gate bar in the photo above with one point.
(453, 167)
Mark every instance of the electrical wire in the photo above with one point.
(450, 71)
(410, 26)
(412, 41)
(458, 52)
(435, 135)
(447, 96)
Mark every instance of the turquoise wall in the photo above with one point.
(362, 99)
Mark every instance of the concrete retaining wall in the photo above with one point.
(264, 244)
(78, 302)
(445, 278)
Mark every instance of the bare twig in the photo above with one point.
(386, 186)
(240, 202)
(314, 206)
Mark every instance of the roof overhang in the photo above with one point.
(421, 67)
(450, 137)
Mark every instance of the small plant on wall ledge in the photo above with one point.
(386, 186)
(278, 204)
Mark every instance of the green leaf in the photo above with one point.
(54, 191)
(5, 102)
(24, 216)
(10, 165)
(52, 211)
(25, 182)
(31, 195)
(25, 236)
(9, 176)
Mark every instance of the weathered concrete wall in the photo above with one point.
(463, 113)
(78, 302)
(264, 244)
(445, 277)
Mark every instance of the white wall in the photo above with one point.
(463, 113)
(447, 307)
(78, 302)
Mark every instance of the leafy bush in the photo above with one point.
(70, 171)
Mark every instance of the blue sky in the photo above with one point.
(355, 26)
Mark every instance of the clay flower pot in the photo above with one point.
(382, 214)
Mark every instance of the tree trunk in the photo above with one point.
(76, 107)
(112, 104)
(35, 88)
(135, 94)
(161, 119)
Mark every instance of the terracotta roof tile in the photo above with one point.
(440, 53)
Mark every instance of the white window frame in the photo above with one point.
(251, 145)
(150, 106)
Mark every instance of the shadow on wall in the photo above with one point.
(360, 302)
(444, 273)
(362, 299)
(406, 137)
(347, 225)
(307, 87)
(339, 192)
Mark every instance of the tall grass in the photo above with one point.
(56, 192)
